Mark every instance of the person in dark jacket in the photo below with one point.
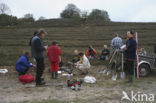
(37, 50)
(105, 53)
(35, 33)
(23, 64)
(130, 55)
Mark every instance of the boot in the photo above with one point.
(130, 79)
(52, 75)
(56, 75)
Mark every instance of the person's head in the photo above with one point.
(130, 34)
(36, 32)
(81, 54)
(42, 33)
(142, 49)
(54, 43)
(116, 35)
(90, 47)
(76, 52)
(105, 47)
(27, 54)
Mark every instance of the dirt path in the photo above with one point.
(104, 91)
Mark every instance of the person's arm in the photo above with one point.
(26, 63)
(38, 45)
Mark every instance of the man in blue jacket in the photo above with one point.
(23, 64)
(130, 55)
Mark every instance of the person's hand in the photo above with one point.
(34, 65)
(46, 47)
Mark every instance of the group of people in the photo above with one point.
(80, 60)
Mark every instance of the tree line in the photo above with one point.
(71, 11)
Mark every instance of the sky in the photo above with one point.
(118, 10)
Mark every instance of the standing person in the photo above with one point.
(37, 50)
(54, 53)
(23, 64)
(130, 55)
(105, 53)
(35, 33)
(116, 42)
(91, 53)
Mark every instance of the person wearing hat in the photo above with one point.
(105, 53)
(130, 55)
(37, 52)
(54, 57)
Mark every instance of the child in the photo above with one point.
(23, 64)
(54, 53)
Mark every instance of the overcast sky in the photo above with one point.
(119, 10)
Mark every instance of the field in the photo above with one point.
(14, 42)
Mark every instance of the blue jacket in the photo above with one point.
(131, 45)
(22, 63)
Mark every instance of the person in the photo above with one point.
(142, 52)
(37, 50)
(91, 53)
(105, 53)
(54, 57)
(35, 33)
(83, 65)
(76, 57)
(130, 55)
(116, 43)
(23, 64)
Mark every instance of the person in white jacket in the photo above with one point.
(83, 65)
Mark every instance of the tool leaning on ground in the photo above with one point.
(120, 66)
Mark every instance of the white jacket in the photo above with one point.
(85, 64)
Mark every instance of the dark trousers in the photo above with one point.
(129, 67)
(39, 69)
(23, 73)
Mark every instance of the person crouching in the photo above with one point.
(23, 64)
(54, 53)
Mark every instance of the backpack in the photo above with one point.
(27, 78)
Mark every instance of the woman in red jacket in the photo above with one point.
(54, 53)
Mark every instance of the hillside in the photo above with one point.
(14, 40)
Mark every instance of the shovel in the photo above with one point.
(107, 71)
(114, 77)
(122, 74)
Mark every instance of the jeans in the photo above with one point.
(23, 73)
(39, 69)
(129, 67)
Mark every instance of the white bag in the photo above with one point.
(3, 71)
(90, 79)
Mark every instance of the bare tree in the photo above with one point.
(4, 9)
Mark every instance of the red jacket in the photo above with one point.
(93, 52)
(53, 54)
